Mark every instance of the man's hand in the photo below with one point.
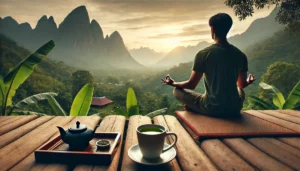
(250, 79)
(168, 80)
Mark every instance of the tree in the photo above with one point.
(282, 75)
(288, 13)
(79, 79)
(164, 102)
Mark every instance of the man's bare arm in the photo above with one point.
(189, 84)
(243, 82)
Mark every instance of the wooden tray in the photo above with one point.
(57, 151)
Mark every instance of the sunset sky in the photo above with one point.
(158, 24)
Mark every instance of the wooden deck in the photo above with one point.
(21, 135)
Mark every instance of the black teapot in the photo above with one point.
(77, 136)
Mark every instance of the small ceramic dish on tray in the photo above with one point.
(103, 144)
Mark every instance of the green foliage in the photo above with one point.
(82, 102)
(282, 75)
(260, 103)
(79, 79)
(278, 99)
(288, 13)
(157, 112)
(131, 103)
(34, 99)
(56, 106)
(20, 73)
(23, 70)
(293, 97)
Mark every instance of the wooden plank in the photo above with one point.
(223, 157)
(15, 124)
(276, 152)
(89, 121)
(189, 155)
(5, 119)
(111, 123)
(284, 146)
(292, 141)
(283, 123)
(283, 116)
(131, 139)
(291, 112)
(21, 131)
(29, 142)
(254, 156)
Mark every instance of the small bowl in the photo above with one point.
(103, 144)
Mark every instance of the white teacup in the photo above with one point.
(151, 139)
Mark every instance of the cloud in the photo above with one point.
(194, 30)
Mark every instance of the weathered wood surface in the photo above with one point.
(276, 152)
(29, 162)
(278, 121)
(293, 141)
(281, 153)
(113, 123)
(19, 149)
(254, 156)
(22, 130)
(283, 116)
(186, 148)
(131, 139)
(224, 157)
(290, 112)
(13, 124)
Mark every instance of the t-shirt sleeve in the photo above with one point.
(199, 62)
(245, 64)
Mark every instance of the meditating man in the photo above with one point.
(225, 70)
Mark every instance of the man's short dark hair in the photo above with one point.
(222, 23)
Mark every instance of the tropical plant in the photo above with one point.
(11, 82)
(132, 107)
(278, 99)
(82, 102)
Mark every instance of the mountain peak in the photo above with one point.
(79, 17)
(96, 29)
(115, 35)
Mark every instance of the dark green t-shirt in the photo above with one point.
(221, 66)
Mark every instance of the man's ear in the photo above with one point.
(212, 33)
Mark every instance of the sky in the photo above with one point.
(158, 24)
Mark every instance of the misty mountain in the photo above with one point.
(79, 42)
(146, 56)
(181, 54)
(259, 30)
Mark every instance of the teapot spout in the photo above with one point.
(62, 131)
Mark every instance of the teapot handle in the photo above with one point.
(95, 128)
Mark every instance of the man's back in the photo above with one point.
(221, 66)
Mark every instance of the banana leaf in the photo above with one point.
(131, 103)
(21, 112)
(260, 103)
(34, 99)
(157, 112)
(56, 106)
(82, 102)
(23, 70)
(278, 98)
(293, 97)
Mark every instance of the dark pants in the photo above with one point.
(193, 100)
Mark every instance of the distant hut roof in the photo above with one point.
(100, 101)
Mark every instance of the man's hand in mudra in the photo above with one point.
(168, 80)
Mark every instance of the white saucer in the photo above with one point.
(136, 155)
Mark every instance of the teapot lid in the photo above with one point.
(77, 128)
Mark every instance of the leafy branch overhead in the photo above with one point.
(288, 12)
